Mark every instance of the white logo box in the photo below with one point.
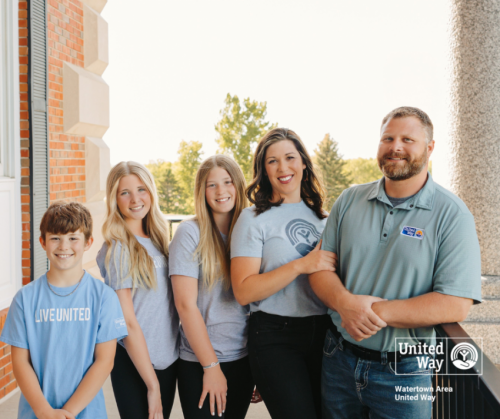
(464, 353)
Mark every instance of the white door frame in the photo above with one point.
(10, 143)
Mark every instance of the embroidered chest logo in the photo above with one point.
(414, 232)
(302, 235)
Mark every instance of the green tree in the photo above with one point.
(166, 184)
(331, 168)
(185, 173)
(239, 129)
(363, 170)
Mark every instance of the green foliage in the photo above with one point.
(166, 184)
(185, 173)
(240, 128)
(362, 170)
(331, 168)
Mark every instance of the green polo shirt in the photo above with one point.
(428, 243)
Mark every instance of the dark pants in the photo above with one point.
(131, 392)
(239, 389)
(285, 356)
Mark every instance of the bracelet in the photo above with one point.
(213, 364)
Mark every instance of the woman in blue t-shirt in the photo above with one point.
(214, 327)
(275, 245)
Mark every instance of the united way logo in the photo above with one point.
(302, 235)
(464, 356)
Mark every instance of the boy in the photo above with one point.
(63, 327)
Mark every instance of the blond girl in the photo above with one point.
(133, 261)
(213, 353)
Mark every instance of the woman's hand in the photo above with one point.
(155, 408)
(318, 260)
(215, 384)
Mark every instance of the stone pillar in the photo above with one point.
(474, 143)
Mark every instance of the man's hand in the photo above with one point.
(358, 318)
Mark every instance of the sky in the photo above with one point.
(331, 66)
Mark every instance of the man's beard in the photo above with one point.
(398, 171)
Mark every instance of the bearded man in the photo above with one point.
(408, 260)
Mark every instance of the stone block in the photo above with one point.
(86, 102)
(95, 41)
(487, 311)
(490, 286)
(97, 5)
(97, 167)
(98, 212)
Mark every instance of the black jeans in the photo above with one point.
(285, 356)
(240, 387)
(131, 391)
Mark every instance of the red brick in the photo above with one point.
(4, 361)
(26, 280)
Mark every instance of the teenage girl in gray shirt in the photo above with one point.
(213, 353)
(133, 261)
(275, 245)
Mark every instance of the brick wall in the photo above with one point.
(67, 152)
(25, 150)
(7, 380)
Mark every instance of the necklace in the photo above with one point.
(60, 295)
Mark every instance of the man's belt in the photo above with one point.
(368, 354)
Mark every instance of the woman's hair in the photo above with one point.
(260, 191)
(212, 252)
(141, 267)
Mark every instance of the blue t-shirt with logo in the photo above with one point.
(61, 334)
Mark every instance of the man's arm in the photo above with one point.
(30, 387)
(423, 311)
(94, 378)
(358, 318)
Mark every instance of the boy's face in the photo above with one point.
(65, 251)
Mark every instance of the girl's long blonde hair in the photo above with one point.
(141, 267)
(212, 252)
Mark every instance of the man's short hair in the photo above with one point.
(66, 217)
(406, 111)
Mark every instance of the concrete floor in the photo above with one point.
(8, 408)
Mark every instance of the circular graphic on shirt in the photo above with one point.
(302, 235)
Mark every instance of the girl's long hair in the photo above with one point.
(260, 191)
(141, 266)
(212, 252)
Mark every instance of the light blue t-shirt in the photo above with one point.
(279, 236)
(154, 308)
(226, 320)
(61, 334)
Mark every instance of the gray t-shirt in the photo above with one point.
(154, 309)
(226, 320)
(279, 236)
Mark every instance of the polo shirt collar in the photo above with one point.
(424, 198)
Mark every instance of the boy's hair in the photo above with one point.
(66, 217)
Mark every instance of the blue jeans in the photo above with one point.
(353, 387)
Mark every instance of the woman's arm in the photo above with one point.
(137, 349)
(250, 286)
(94, 379)
(30, 387)
(214, 382)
